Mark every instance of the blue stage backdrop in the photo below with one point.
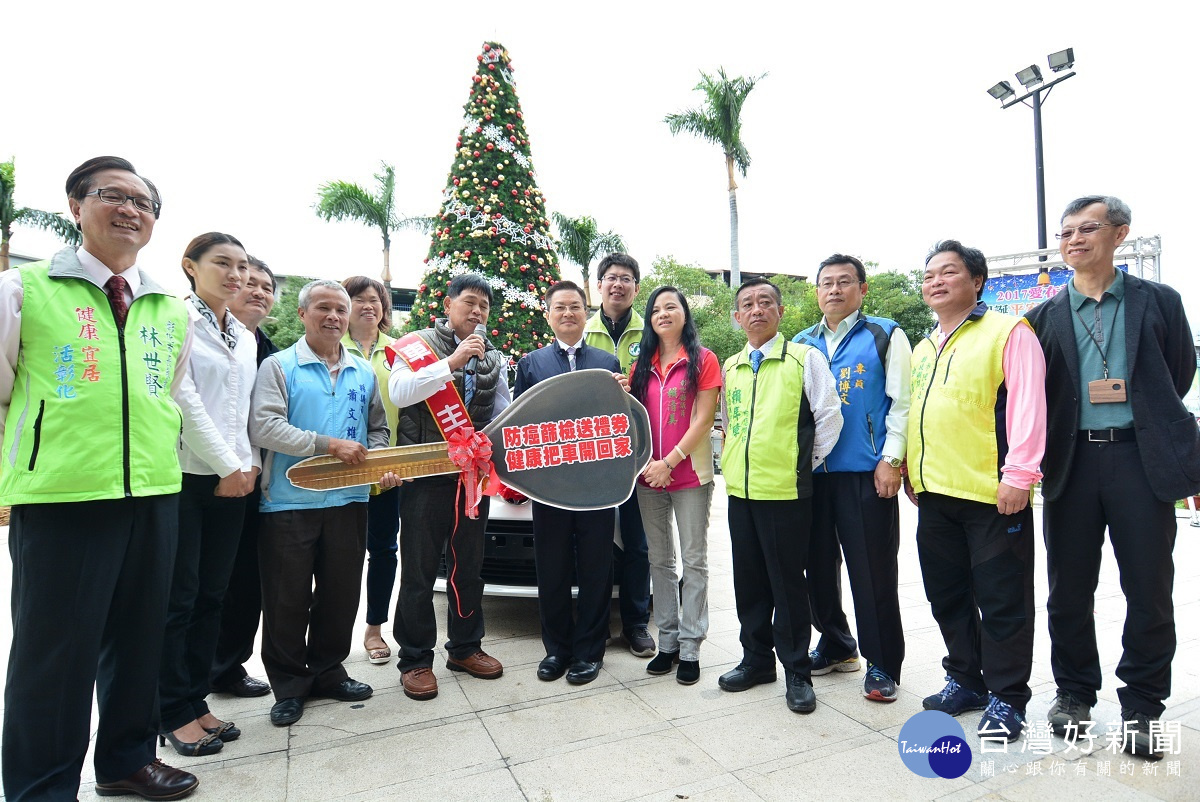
(1017, 294)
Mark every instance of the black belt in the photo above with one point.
(1107, 435)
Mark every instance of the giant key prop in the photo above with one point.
(576, 441)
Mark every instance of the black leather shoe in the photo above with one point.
(551, 668)
(800, 695)
(745, 677)
(287, 711)
(155, 780)
(247, 687)
(348, 690)
(582, 672)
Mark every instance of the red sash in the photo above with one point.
(446, 405)
(470, 450)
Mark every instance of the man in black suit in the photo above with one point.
(242, 606)
(567, 542)
(1120, 449)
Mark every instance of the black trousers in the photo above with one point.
(89, 601)
(241, 608)
(978, 570)
(312, 562)
(209, 531)
(1108, 488)
(428, 513)
(577, 545)
(850, 518)
(770, 552)
(631, 563)
(383, 525)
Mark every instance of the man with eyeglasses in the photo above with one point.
(242, 606)
(855, 490)
(570, 542)
(93, 356)
(617, 329)
(1120, 449)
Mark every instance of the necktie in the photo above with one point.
(469, 386)
(756, 358)
(115, 287)
(571, 356)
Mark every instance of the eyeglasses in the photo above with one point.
(622, 279)
(1085, 229)
(117, 198)
(841, 284)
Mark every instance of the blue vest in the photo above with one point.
(858, 369)
(315, 406)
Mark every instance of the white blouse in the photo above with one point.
(217, 391)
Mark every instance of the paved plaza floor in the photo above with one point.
(631, 736)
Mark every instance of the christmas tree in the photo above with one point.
(493, 217)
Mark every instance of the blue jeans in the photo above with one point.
(680, 629)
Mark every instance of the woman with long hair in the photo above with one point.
(678, 381)
(219, 467)
(370, 320)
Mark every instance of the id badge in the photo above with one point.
(1107, 391)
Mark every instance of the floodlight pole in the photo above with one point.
(1039, 170)
(1039, 162)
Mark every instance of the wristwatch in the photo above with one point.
(895, 462)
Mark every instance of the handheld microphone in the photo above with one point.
(481, 330)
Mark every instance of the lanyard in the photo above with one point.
(1092, 335)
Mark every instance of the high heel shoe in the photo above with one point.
(208, 745)
(227, 732)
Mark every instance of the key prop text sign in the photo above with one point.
(576, 441)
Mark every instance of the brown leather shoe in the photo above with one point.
(155, 780)
(419, 683)
(478, 665)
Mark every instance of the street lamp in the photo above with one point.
(1031, 79)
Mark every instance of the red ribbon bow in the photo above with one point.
(471, 451)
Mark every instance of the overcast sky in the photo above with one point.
(872, 134)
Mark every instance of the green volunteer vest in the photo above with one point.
(769, 426)
(91, 415)
(626, 348)
(953, 447)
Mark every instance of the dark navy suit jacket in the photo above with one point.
(551, 360)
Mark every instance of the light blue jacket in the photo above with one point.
(320, 410)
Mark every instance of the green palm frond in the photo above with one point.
(342, 200)
(60, 226)
(421, 224)
(609, 242)
(719, 120)
(576, 235)
(8, 184)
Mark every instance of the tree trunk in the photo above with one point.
(387, 269)
(587, 288)
(4, 255)
(735, 268)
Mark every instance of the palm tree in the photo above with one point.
(55, 223)
(342, 200)
(581, 242)
(719, 121)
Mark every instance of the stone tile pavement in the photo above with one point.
(630, 736)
